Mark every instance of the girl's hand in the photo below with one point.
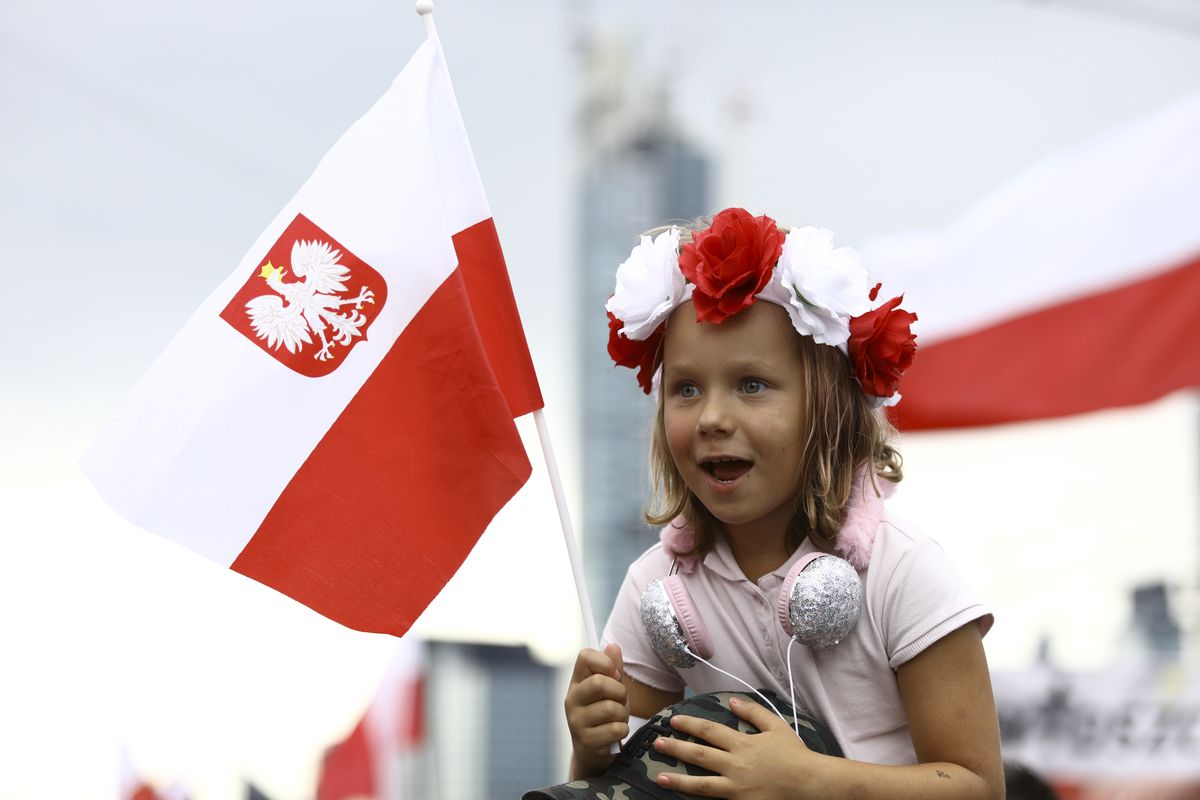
(597, 708)
(768, 765)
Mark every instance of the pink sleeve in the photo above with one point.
(924, 599)
(624, 626)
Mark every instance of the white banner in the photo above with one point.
(1119, 723)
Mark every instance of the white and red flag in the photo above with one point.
(1074, 286)
(386, 753)
(336, 420)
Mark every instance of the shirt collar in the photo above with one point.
(721, 561)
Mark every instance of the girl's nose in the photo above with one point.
(715, 415)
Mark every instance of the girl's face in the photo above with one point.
(732, 411)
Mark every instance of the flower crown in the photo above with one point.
(741, 258)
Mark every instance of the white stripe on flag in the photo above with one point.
(1122, 207)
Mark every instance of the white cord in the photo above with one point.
(742, 682)
(792, 687)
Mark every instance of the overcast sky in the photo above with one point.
(145, 146)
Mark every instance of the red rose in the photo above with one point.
(730, 262)
(639, 355)
(882, 346)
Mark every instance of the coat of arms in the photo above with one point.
(309, 302)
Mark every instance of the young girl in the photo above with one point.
(770, 444)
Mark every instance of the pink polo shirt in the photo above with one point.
(912, 596)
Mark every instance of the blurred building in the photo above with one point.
(494, 714)
(451, 721)
(638, 172)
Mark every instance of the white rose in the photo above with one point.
(649, 285)
(821, 286)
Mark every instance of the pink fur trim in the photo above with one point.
(678, 538)
(864, 511)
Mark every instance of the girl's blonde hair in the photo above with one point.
(844, 431)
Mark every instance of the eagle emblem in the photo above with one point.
(309, 300)
(313, 305)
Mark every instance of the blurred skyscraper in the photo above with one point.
(638, 172)
(495, 715)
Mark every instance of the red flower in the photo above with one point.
(730, 262)
(882, 347)
(639, 355)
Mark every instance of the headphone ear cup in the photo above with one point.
(783, 606)
(689, 618)
(672, 624)
(819, 600)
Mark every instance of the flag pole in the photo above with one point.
(564, 517)
(425, 11)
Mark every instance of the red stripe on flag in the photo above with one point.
(390, 502)
(482, 263)
(1121, 347)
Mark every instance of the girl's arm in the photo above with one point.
(947, 696)
(646, 701)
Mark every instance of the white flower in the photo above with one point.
(821, 286)
(649, 285)
(884, 402)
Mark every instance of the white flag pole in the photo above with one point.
(564, 517)
(425, 11)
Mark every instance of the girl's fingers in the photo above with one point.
(700, 785)
(592, 662)
(714, 733)
(695, 753)
(602, 713)
(600, 737)
(613, 651)
(757, 715)
(595, 688)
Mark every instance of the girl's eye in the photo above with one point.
(687, 390)
(753, 386)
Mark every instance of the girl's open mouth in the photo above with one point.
(727, 470)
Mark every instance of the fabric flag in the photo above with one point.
(1073, 287)
(336, 420)
(384, 756)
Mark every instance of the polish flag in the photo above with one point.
(385, 755)
(336, 420)
(1074, 286)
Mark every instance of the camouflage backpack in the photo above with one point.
(631, 775)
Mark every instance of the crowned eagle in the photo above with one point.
(299, 309)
